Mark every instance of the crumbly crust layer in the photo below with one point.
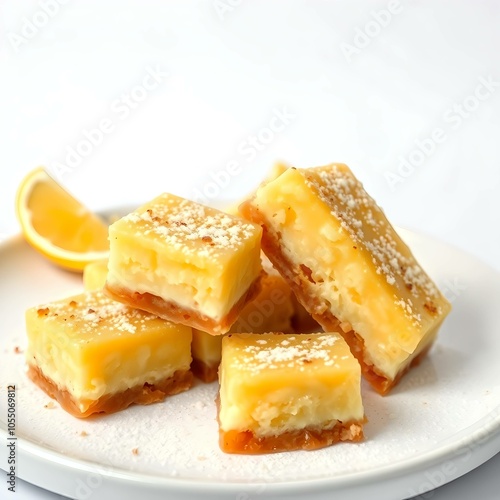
(298, 280)
(173, 312)
(247, 442)
(144, 394)
(206, 373)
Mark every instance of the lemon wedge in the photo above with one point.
(57, 225)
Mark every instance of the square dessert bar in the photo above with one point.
(283, 392)
(95, 355)
(349, 267)
(185, 262)
(271, 310)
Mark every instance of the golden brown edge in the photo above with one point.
(142, 394)
(247, 443)
(309, 439)
(171, 311)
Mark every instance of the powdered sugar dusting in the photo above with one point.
(93, 313)
(191, 227)
(368, 227)
(278, 351)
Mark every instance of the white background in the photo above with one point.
(223, 74)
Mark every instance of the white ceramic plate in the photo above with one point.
(440, 422)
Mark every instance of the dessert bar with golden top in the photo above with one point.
(271, 310)
(185, 262)
(349, 267)
(93, 354)
(283, 392)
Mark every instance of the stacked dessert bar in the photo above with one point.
(188, 288)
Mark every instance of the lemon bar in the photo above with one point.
(185, 262)
(95, 355)
(94, 275)
(283, 392)
(271, 310)
(349, 268)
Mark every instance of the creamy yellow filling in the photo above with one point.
(194, 256)
(92, 346)
(359, 267)
(271, 384)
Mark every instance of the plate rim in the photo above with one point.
(426, 462)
